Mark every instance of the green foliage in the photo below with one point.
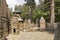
(24, 11)
(57, 18)
(36, 13)
(57, 0)
(46, 7)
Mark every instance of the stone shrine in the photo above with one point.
(42, 23)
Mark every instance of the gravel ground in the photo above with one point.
(31, 36)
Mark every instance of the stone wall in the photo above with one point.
(49, 27)
(57, 32)
(4, 19)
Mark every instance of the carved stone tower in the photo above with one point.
(4, 19)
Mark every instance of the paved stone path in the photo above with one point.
(31, 36)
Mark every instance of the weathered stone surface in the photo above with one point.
(49, 26)
(31, 36)
(16, 22)
(42, 23)
(57, 32)
(4, 21)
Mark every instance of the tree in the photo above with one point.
(49, 6)
(31, 4)
(23, 9)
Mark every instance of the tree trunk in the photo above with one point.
(52, 14)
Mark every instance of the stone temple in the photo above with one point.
(25, 29)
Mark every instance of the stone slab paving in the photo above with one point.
(31, 36)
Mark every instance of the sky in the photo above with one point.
(12, 3)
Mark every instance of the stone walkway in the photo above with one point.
(31, 36)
